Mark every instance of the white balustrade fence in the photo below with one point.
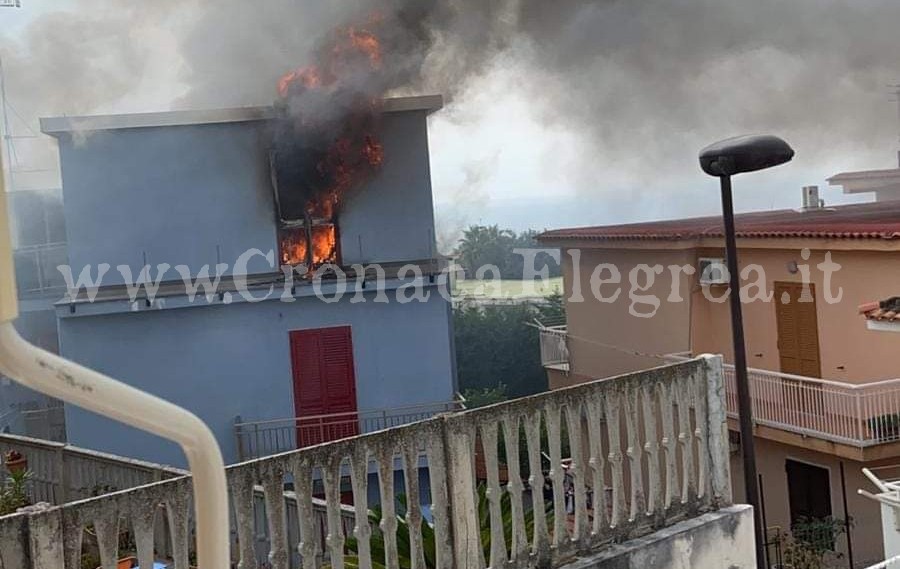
(525, 483)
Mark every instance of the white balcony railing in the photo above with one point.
(554, 350)
(860, 415)
(641, 452)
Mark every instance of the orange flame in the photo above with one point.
(293, 247)
(350, 43)
(352, 155)
(324, 245)
(324, 249)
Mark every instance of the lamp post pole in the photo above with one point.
(723, 159)
(745, 410)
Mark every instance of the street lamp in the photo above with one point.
(724, 159)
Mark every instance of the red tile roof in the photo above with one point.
(879, 220)
(888, 310)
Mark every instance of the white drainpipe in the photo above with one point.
(52, 375)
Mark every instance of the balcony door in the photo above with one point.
(798, 330)
(809, 499)
(324, 384)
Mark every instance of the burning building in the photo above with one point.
(254, 188)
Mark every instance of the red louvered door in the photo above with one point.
(324, 385)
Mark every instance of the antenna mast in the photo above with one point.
(895, 91)
(7, 135)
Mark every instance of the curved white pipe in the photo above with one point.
(72, 383)
(52, 375)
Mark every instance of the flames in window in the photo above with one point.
(326, 141)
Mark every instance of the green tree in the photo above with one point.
(499, 345)
(489, 245)
(483, 396)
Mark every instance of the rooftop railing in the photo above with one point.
(564, 472)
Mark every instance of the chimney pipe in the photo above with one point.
(811, 198)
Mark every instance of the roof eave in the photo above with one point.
(57, 126)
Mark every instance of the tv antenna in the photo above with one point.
(895, 92)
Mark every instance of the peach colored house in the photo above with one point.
(824, 382)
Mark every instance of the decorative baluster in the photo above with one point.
(143, 518)
(334, 538)
(651, 449)
(597, 463)
(413, 508)
(362, 531)
(576, 470)
(440, 501)
(178, 513)
(73, 538)
(556, 474)
(106, 525)
(698, 385)
(634, 452)
(615, 457)
(15, 540)
(541, 538)
(489, 449)
(309, 536)
(669, 443)
(388, 524)
(241, 482)
(688, 488)
(515, 489)
(272, 474)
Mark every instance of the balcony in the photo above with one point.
(256, 439)
(857, 416)
(554, 350)
(586, 467)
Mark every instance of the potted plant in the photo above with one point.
(15, 462)
(14, 492)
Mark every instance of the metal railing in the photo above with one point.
(860, 415)
(554, 350)
(36, 271)
(263, 438)
(645, 451)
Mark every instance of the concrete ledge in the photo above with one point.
(718, 540)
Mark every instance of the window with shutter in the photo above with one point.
(798, 331)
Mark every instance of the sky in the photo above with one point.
(592, 113)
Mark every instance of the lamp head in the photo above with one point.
(744, 154)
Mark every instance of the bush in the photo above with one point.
(14, 494)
